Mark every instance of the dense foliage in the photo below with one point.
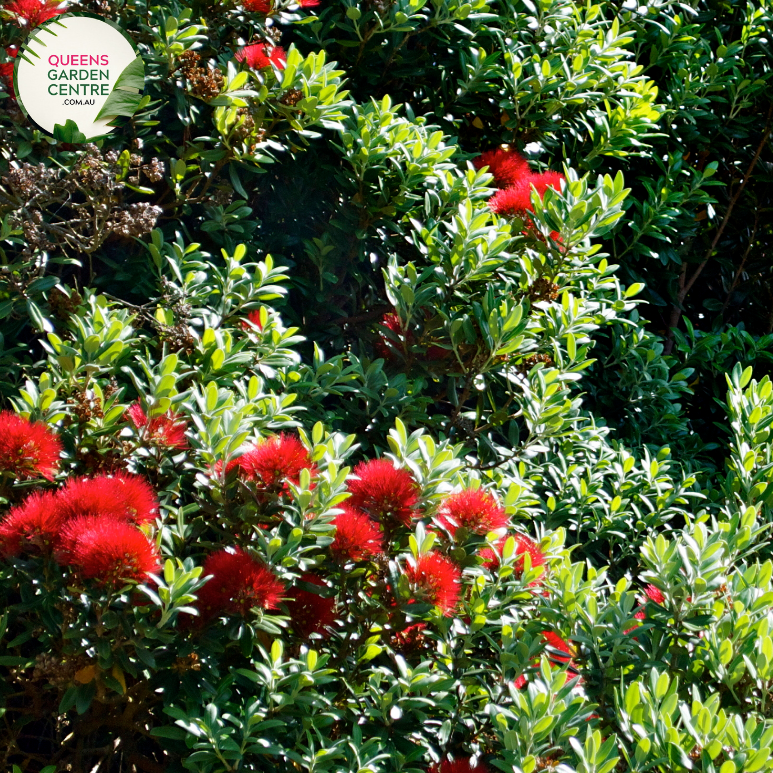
(437, 334)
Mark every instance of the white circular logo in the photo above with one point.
(76, 74)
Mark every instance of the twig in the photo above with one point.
(685, 286)
(746, 253)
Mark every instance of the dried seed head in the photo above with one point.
(532, 360)
(543, 290)
(136, 220)
(291, 97)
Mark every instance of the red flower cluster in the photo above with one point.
(36, 523)
(410, 639)
(310, 612)
(559, 652)
(357, 537)
(89, 524)
(274, 461)
(32, 13)
(167, 431)
(239, 583)
(383, 347)
(254, 317)
(259, 6)
(512, 173)
(385, 492)
(437, 580)
(108, 550)
(6, 70)
(119, 497)
(27, 449)
(458, 766)
(564, 652)
(267, 6)
(523, 544)
(259, 56)
(474, 509)
(653, 594)
(507, 166)
(381, 495)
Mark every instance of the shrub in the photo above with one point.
(334, 435)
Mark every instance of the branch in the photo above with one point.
(746, 253)
(686, 286)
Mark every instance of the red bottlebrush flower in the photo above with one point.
(547, 180)
(384, 491)
(474, 509)
(507, 166)
(520, 682)
(555, 641)
(34, 523)
(514, 201)
(258, 6)
(654, 594)
(410, 639)
(310, 612)
(458, 766)
(6, 76)
(275, 460)
(239, 583)
(259, 56)
(437, 580)
(357, 537)
(6, 70)
(638, 616)
(217, 468)
(109, 551)
(27, 449)
(32, 13)
(308, 3)
(437, 353)
(393, 322)
(384, 347)
(523, 544)
(254, 317)
(121, 496)
(166, 431)
(564, 651)
(493, 556)
(136, 414)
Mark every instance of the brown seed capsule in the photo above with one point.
(543, 290)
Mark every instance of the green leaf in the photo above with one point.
(132, 76)
(371, 652)
(68, 700)
(69, 132)
(169, 731)
(121, 101)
